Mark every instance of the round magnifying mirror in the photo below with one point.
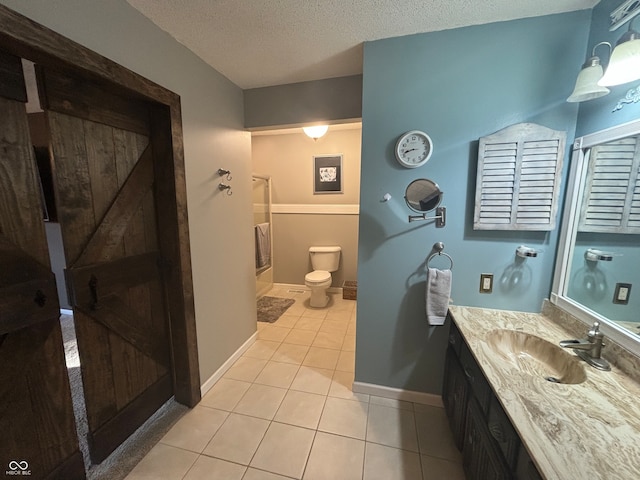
(423, 195)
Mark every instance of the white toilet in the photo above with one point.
(324, 260)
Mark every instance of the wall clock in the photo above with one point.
(413, 149)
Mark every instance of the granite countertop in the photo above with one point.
(586, 430)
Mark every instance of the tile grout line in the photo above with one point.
(306, 463)
(366, 434)
(415, 422)
(271, 421)
(298, 367)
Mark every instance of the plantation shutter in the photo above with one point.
(519, 170)
(612, 190)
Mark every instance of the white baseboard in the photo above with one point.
(293, 286)
(398, 394)
(208, 385)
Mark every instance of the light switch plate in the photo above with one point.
(486, 282)
(621, 295)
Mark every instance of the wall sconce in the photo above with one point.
(587, 87)
(315, 131)
(624, 64)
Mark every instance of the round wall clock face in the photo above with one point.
(413, 149)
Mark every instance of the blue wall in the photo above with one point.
(597, 114)
(593, 283)
(457, 85)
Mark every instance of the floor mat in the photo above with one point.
(270, 308)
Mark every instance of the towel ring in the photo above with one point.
(438, 248)
(437, 255)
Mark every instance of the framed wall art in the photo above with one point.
(327, 174)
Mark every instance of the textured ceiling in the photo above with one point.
(257, 43)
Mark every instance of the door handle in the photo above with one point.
(40, 299)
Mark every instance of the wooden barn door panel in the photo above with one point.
(36, 413)
(104, 170)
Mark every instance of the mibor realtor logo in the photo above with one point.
(18, 468)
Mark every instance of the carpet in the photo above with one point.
(129, 453)
(270, 308)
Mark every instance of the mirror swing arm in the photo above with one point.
(440, 217)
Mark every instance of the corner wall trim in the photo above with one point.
(398, 394)
(316, 208)
(217, 375)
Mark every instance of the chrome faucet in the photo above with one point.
(590, 348)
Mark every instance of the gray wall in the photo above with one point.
(464, 84)
(288, 159)
(295, 233)
(212, 115)
(333, 99)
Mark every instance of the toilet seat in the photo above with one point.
(317, 276)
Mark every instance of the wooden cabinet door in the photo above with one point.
(481, 458)
(503, 433)
(455, 396)
(104, 178)
(36, 414)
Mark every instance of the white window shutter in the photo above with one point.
(519, 172)
(611, 201)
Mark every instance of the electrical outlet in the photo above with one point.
(621, 295)
(486, 282)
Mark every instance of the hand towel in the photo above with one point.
(263, 245)
(437, 295)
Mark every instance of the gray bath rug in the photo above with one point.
(270, 308)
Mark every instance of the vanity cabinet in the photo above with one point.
(455, 397)
(526, 469)
(481, 460)
(490, 445)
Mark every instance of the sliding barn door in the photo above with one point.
(104, 177)
(37, 429)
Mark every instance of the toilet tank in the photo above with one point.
(325, 258)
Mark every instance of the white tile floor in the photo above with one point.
(285, 410)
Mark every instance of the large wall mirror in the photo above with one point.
(598, 267)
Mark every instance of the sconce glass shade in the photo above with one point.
(587, 87)
(624, 64)
(316, 131)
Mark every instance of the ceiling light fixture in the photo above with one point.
(315, 131)
(587, 87)
(624, 64)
